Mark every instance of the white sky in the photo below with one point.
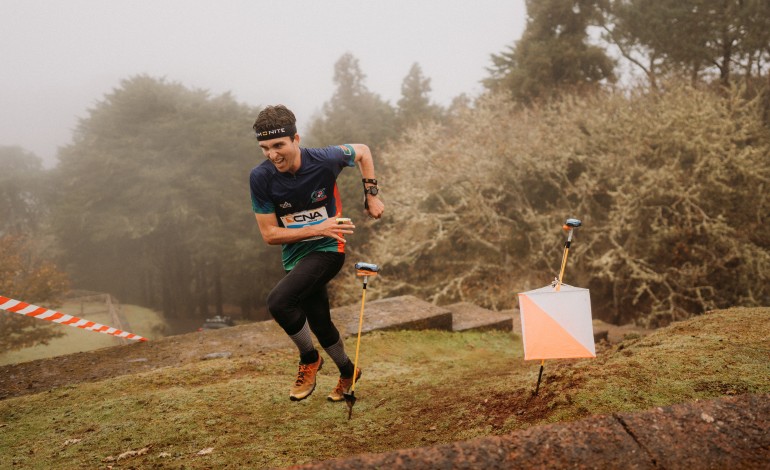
(59, 58)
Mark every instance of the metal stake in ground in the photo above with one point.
(570, 225)
(365, 270)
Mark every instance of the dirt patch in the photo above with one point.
(250, 340)
(522, 404)
(502, 410)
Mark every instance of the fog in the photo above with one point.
(60, 58)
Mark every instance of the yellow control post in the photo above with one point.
(365, 270)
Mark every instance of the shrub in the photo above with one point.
(671, 187)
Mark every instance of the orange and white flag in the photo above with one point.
(556, 324)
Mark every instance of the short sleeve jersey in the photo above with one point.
(306, 198)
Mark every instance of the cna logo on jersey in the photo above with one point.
(305, 218)
(318, 195)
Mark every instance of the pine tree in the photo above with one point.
(554, 54)
(415, 105)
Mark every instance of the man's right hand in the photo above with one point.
(330, 228)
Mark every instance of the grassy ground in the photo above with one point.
(138, 320)
(418, 388)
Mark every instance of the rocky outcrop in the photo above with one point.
(720, 434)
(467, 316)
(405, 312)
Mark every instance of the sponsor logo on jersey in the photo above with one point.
(285, 205)
(305, 218)
(318, 195)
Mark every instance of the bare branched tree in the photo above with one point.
(671, 186)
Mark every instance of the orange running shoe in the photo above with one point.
(343, 386)
(305, 383)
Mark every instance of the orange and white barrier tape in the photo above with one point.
(41, 313)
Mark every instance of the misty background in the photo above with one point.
(60, 58)
(649, 121)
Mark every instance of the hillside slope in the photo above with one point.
(419, 388)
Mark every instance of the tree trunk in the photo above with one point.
(218, 288)
(727, 52)
(246, 309)
(202, 291)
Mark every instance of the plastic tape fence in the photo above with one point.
(41, 313)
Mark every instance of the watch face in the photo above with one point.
(372, 190)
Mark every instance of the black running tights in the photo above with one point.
(301, 295)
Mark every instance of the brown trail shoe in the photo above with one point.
(343, 386)
(305, 383)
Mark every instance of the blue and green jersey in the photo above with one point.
(306, 198)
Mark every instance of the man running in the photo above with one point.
(296, 203)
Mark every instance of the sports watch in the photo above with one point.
(373, 190)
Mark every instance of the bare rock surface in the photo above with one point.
(515, 314)
(724, 433)
(467, 316)
(405, 312)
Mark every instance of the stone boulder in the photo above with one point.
(405, 312)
